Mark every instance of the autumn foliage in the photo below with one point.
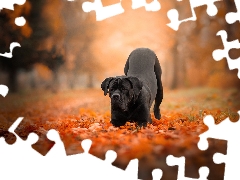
(85, 114)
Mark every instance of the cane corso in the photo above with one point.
(133, 94)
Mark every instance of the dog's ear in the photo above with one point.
(105, 85)
(136, 87)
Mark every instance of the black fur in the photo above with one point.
(133, 94)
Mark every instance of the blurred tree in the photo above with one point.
(47, 36)
(60, 32)
(80, 34)
(193, 64)
(181, 36)
(53, 60)
(33, 38)
(9, 32)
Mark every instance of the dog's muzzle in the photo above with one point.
(115, 96)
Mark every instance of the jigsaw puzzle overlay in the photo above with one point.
(224, 53)
(173, 15)
(232, 135)
(57, 165)
(71, 166)
(12, 46)
(10, 4)
(116, 9)
(212, 10)
(20, 21)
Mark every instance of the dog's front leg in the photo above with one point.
(118, 118)
(142, 116)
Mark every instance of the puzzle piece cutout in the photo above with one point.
(153, 6)
(229, 131)
(232, 17)
(19, 21)
(20, 144)
(56, 164)
(12, 46)
(180, 162)
(109, 160)
(3, 92)
(103, 12)
(32, 138)
(157, 174)
(9, 4)
(224, 53)
(20, 157)
(57, 158)
(129, 173)
(173, 14)
(43, 145)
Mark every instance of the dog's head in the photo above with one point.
(122, 90)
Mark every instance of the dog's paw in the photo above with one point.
(142, 124)
(117, 123)
(157, 113)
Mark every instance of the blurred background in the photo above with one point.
(64, 48)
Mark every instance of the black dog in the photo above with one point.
(132, 95)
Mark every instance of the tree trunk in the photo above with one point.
(32, 79)
(174, 83)
(12, 80)
(55, 81)
(90, 80)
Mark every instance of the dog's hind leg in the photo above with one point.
(159, 95)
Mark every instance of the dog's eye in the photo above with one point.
(123, 88)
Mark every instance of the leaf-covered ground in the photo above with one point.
(82, 114)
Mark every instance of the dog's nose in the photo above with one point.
(116, 96)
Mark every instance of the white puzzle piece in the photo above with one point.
(101, 11)
(20, 21)
(173, 14)
(12, 46)
(232, 17)
(153, 6)
(26, 163)
(157, 174)
(3, 90)
(9, 4)
(56, 164)
(224, 53)
(180, 162)
(229, 131)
